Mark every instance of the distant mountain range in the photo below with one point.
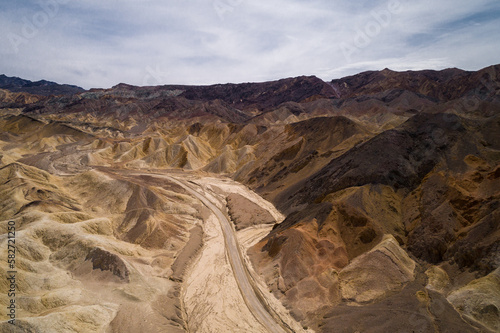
(443, 85)
(42, 87)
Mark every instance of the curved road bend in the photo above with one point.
(241, 275)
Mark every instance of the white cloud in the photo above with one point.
(99, 44)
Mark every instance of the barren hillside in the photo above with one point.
(366, 204)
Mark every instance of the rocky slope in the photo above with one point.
(388, 182)
(42, 87)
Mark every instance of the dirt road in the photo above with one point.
(247, 290)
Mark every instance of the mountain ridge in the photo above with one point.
(41, 87)
(335, 88)
(365, 93)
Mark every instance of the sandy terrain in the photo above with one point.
(211, 295)
(219, 189)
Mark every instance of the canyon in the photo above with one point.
(369, 203)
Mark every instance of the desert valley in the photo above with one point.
(369, 203)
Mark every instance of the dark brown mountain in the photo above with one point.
(42, 87)
(442, 85)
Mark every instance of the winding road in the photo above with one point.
(248, 291)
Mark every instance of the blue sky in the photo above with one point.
(149, 42)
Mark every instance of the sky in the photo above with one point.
(98, 44)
